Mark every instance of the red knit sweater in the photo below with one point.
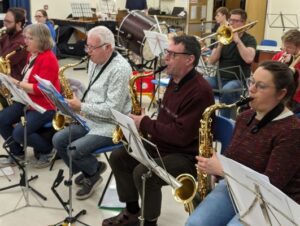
(273, 151)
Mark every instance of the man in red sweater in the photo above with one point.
(174, 132)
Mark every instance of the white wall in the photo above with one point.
(61, 8)
(285, 7)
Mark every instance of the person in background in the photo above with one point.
(13, 38)
(137, 5)
(41, 61)
(109, 75)
(289, 53)
(221, 17)
(274, 130)
(41, 16)
(240, 52)
(174, 132)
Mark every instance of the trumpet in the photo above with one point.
(225, 33)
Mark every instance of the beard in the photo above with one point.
(11, 31)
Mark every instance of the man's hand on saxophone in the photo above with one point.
(138, 118)
(74, 103)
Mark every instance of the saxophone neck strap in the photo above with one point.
(113, 55)
(266, 119)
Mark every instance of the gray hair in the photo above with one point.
(40, 33)
(104, 34)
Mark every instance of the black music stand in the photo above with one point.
(58, 100)
(22, 97)
(283, 21)
(136, 149)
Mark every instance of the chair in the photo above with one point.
(223, 130)
(268, 42)
(104, 151)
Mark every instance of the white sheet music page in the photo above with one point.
(138, 150)
(157, 42)
(242, 182)
(20, 95)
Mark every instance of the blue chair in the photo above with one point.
(223, 130)
(104, 151)
(268, 42)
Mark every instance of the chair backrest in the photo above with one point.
(268, 42)
(223, 129)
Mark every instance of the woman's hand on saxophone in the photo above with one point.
(210, 166)
(74, 103)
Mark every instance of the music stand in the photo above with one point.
(136, 149)
(21, 96)
(58, 100)
(257, 201)
(81, 9)
(283, 21)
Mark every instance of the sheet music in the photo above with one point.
(20, 95)
(138, 150)
(59, 101)
(242, 181)
(157, 42)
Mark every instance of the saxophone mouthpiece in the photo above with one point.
(160, 69)
(20, 48)
(243, 101)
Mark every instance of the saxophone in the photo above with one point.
(189, 188)
(59, 121)
(136, 106)
(5, 68)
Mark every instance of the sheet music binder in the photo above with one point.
(59, 101)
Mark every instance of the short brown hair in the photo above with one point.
(240, 12)
(224, 11)
(292, 36)
(41, 33)
(19, 15)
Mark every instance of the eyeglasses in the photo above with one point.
(173, 54)
(234, 21)
(8, 21)
(38, 16)
(258, 85)
(88, 48)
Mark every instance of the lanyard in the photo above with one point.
(98, 75)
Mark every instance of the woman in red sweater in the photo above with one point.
(42, 62)
(265, 139)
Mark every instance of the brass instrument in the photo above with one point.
(3, 31)
(296, 60)
(135, 108)
(189, 188)
(225, 33)
(5, 68)
(59, 121)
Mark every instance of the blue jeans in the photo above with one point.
(82, 147)
(228, 97)
(216, 209)
(35, 121)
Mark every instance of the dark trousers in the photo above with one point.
(128, 174)
(35, 120)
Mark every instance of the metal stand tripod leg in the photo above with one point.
(24, 181)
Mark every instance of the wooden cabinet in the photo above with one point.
(196, 14)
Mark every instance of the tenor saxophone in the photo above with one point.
(5, 68)
(59, 121)
(186, 193)
(136, 106)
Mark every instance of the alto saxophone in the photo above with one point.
(5, 68)
(59, 121)
(136, 106)
(189, 188)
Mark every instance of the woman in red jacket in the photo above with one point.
(41, 61)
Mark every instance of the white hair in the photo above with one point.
(104, 34)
